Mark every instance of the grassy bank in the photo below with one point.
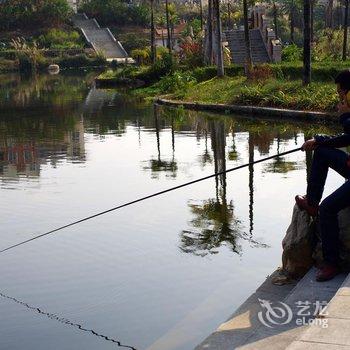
(319, 96)
(272, 85)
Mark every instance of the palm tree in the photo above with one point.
(275, 13)
(201, 13)
(313, 4)
(208, 53)
(290, 8)
(345, 40)
(219, 55)
(249, 61)
(168, 25)
(161, 23)
(329, 14)
(307, 43)
(153, 35)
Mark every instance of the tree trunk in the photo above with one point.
(201, 13)
(219, 51)
(228, 16)
(307, 43)
(329, 14)
(209, 57)
(153, 35)
(248, 62)
(345, 40)
(275, 19)
(292, 25)
(312, 4)
(168, 25)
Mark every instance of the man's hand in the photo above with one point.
(309, 145)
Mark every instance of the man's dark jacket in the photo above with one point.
(342, 140)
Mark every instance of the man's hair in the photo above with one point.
(343, 79)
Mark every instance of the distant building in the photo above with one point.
(162, 36)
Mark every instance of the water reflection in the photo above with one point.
(109, 147)
(32, 136)
(26, 143)
(214, 223)
(158, 165)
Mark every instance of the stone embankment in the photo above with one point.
(285, 313)
(257, 111)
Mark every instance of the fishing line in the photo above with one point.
(65, 321)
(151, 196)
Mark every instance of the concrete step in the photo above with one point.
(245, 329)
(236, 41)
(100, 38)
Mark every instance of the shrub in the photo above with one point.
(163, 66)
(329, 45)
(325, 71)
(60, 39)
(175, 82)
(261, 72)
(7, 65)
(209, 72)
(141, 56)
(292, 53)
(21, 14)
(191, 53)
(29, 56)
(133, 41)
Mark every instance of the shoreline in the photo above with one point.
(259, 112)
(245, 330)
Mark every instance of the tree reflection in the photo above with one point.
(214, 223)
(280, 164)
(159, 165)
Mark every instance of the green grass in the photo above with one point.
(282, 89)
(320, 96)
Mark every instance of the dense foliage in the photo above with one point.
(59, 39)
(117, 12)
(22, 14)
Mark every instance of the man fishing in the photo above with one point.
(327, 155)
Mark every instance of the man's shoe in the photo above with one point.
(304, 205)
(327, 272)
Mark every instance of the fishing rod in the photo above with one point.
(151, 196)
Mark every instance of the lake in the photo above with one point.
(163, 273)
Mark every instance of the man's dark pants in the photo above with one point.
(325, 158)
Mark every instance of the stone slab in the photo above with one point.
(244, 330)
(302, 345)
(337, 332)
(339, 307)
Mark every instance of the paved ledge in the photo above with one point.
(251, 110)
(245, 331)
(337, 334)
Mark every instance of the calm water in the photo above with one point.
(161, 274)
